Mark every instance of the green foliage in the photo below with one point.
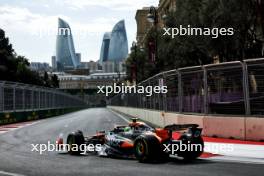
(54, 81)
(238, 14)
(16, 68)
(182, 51)
(138, 62)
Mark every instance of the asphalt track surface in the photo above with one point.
(16, 157)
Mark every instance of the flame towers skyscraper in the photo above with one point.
(105, 47)
(65, 51)
(118, 48)
(114, 49)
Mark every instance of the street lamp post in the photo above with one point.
(134, 47)
(152, 17)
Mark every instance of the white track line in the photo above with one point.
(119, 115)
(238, 150)
(18, 127)
(10, 174)
(232, 159)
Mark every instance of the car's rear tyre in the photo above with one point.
(75, 142)
(147, 148)
(196, 151)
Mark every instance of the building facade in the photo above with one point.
(38, 66)
(89, 82)
(91, 65)
(78, 58)
(53, 62)
(165, 6)
(108, 67)
(143, 25)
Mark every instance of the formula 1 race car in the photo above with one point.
(141, 141)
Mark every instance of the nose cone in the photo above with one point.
(59, 143)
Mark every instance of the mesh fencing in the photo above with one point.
(192, 90)
(225, 89)
(235, 88)
(23, 97)
(255, 78)
(172, 97)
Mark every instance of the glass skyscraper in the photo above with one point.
(115, 46)
(65, 51)
(118, 47)
(105, 47)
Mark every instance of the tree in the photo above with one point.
(240, 15)
(54, 81)
(6, 56)
(138, 61)
(244, 16)
(197, 50)
(16, 68)
(46, 80)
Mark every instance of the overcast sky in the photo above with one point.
(31, 24)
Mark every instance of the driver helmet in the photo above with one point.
(126, 129)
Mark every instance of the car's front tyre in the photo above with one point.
(75, 141)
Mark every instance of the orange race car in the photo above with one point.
(141, 141)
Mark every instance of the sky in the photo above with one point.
(31, 25)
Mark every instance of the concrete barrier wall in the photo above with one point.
(194, 119)
(154, 117)
(225, 127)
(255, 129)
(23, 116)
(244, 128)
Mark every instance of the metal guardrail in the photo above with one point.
(235, 88)
(23, 97)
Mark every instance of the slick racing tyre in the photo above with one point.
(196, 151)
(75, 141)
(147, 148)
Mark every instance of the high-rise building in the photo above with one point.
(109, 67)
(121, 67)
(114, 49)
(65, 51)
(53, 62)
(105, 47)
(118, 47)
(38, 66)
(78, 58)
(91, 65)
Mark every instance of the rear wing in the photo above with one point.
(179, 127)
